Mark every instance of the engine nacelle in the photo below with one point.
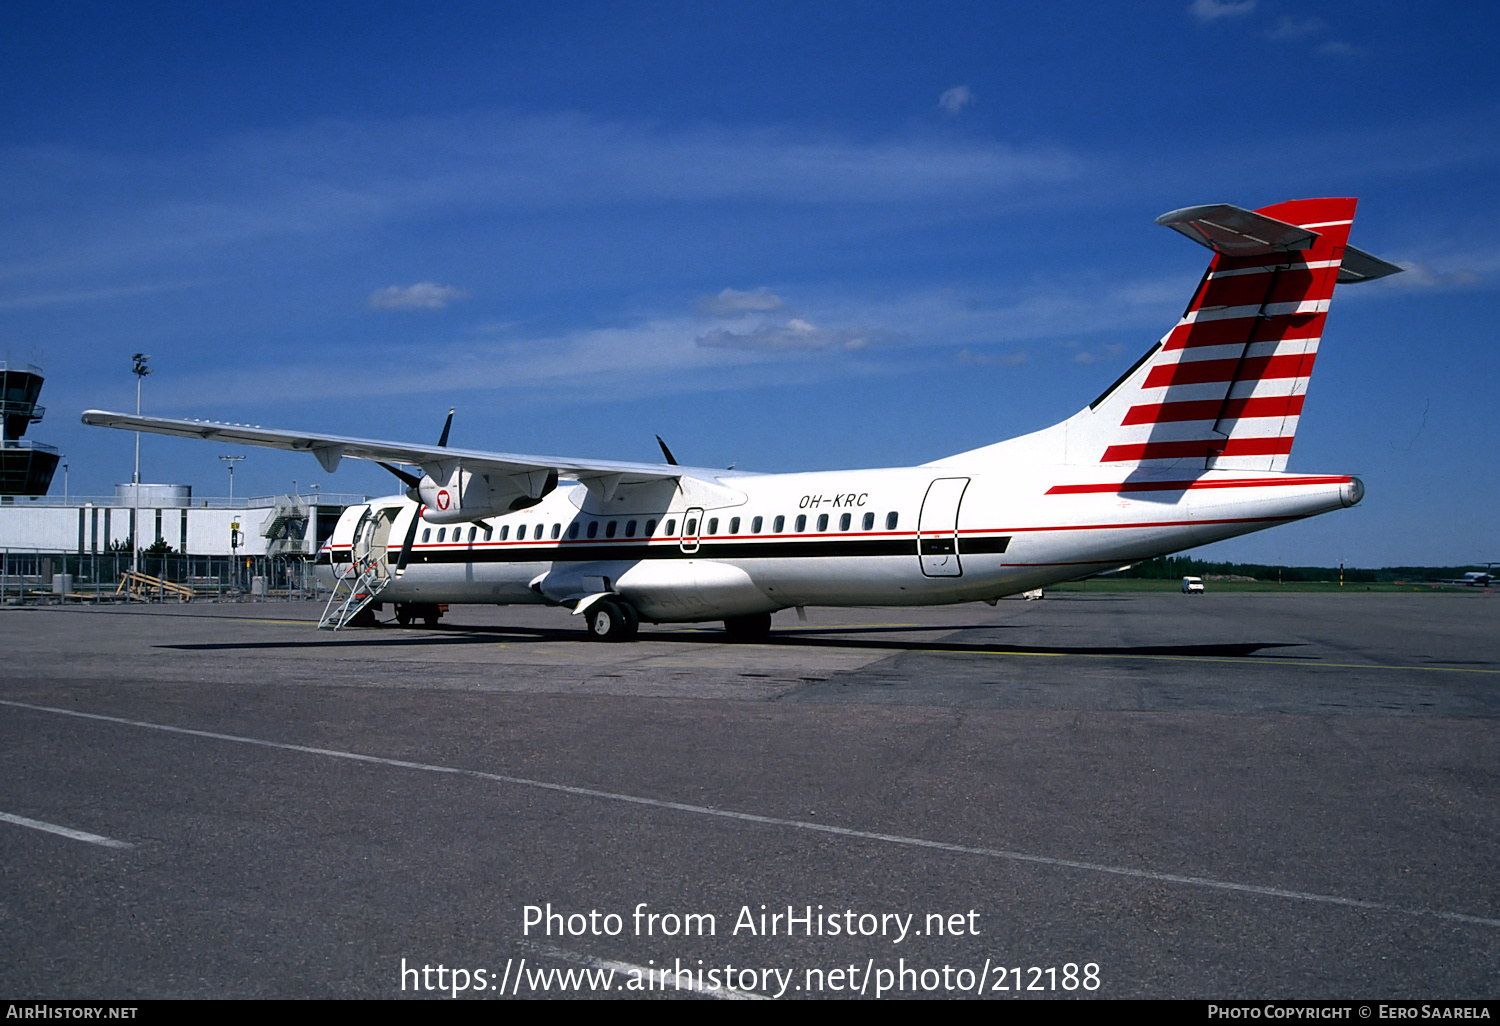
(453, 494)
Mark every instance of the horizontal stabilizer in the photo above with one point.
(1361, 266)
(1235, 231)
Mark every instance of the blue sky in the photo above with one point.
(787, 236)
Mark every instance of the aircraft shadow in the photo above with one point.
(803, 637)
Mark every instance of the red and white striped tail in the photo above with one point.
(1224, 388)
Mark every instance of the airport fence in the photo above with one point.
(35, 576)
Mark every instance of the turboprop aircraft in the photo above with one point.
(1189, 446)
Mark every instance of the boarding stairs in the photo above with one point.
(360, 584)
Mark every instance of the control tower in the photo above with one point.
(26, 468)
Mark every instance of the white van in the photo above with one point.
(1192, 586)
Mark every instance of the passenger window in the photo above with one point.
(472, 532)
(556, 531)
(869, 523)
(504, 532)
(801, 523)
(734, 526)
(822, 521)
(573, 529)
(778, 525)
(520, 533)
(691, 527)
(890, 521)
(755, 525)
(537, 534)
(426, 534)
(671, 528)
(486, 532)
(844, 522)
(442, 533)
(713, 525)
(650, 528)
(609, 529)
(630, 528)
(593, 528)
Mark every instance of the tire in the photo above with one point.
(608, 621)
(403, 615)
(748, 628)
(632, 620)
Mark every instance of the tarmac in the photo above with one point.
(1098, 795)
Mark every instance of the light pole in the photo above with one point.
(65, 480)
(140, 370)
(231, 460)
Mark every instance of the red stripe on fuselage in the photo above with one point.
(1120, 487)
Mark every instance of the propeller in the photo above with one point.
(411, 536)
(666, 452)
(412, 483)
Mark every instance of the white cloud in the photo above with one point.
(735, 303)
(1419, 275)
(956, 99)
(1288, 27)
(1212, 10)
(795, 334)
(1110, 351)
(990, 359)
(327, 178)
(424, 295)
(1339, 48)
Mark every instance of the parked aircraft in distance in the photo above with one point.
(1189, 446)
(1474, 579)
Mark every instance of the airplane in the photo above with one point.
(1188, 446)
(1472, 579)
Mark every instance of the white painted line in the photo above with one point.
(796, 824)
(62, 831)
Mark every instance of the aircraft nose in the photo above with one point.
(1352, 491)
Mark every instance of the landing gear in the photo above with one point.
(610, 620)
(748, 628)
(428, 612)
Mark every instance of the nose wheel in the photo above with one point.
(610, 620)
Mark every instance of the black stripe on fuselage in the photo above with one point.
(812, 548)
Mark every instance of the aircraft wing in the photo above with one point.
(603, 476)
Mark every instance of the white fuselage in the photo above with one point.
(721, 544)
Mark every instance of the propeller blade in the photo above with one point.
(443, 438)
(410, 480)
(666, 452)
(411, 536)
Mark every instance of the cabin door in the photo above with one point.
(692, 527)
(937, 528)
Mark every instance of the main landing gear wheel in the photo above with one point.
(748, 628)
(613, 621)
(428, 612)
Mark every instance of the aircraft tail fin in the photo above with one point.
(1224, 388)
